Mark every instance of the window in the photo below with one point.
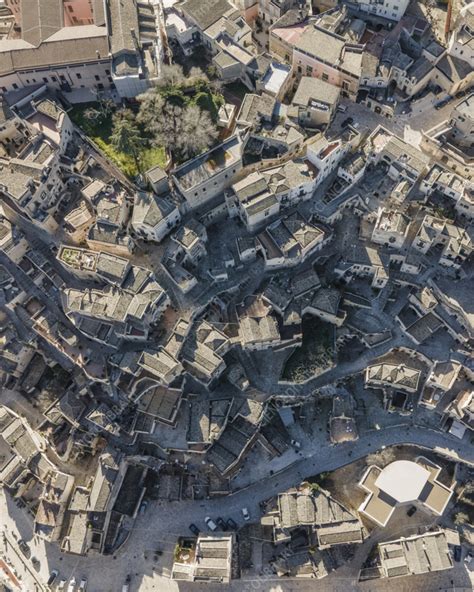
(78, 75)
(45, 79)
(70, 8)
(107, 72)
(325, 77)
(309, 71)
(97, 77)
(54, 79)
(15, 86)
(62, 78)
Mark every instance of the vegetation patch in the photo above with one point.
(181, 112)
(96, 121)
(178, 117)
(316, 354)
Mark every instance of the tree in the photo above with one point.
(104, 104)
(461, 518)
(184, 130)
(199, 131)
(126, 136)
(173, 76)
(92, 114)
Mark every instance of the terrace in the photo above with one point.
(78, 258)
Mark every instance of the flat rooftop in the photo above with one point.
(403, 480)
(207, 165)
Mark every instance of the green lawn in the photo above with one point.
(316, 353)
(100, 131)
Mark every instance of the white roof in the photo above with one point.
(275, 77)
(403, 480)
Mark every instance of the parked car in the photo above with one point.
(295, 443)
(443, 102)
(221, 523)
(52, 577)
(210, 523)
(245, 514)
(143, 506)
(61, 585)
(341, 108)
(24, 548)
(36, 563)
(411, 510)
(72, 584)
(83, 585)
(232, 524)
(457, 553)
(468, 558)
(347, 121)
(194, 529)
(126, 586)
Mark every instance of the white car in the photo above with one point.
(245, 514)
(62, 585)
(83, 585)
(210, 523)
(468, 558)
(72, 584)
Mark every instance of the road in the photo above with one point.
(164, 521)
(408, 126)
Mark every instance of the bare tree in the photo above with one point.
(171, 75)
(183, 131)
(92, 114)
(105, 105)
(199, 131)
(381, 458)
(461, 518)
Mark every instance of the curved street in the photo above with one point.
(164, 521)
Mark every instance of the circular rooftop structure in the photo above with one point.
(403, 480)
